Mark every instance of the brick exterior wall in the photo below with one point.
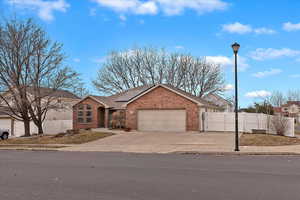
(95, 118)
(161, 98)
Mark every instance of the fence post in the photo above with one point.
(224, 116)
(244, 122)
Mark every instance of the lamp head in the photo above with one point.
(235, 47)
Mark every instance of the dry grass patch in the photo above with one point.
(267, 140)
(297, 132)
(83, 137)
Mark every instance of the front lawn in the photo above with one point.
(80, 138)
(267, 140)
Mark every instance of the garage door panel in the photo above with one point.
(162, 120)
(5, 123)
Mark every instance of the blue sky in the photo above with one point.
(267, 30)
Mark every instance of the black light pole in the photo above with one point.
(235, 48)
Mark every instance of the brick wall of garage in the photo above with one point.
(95, 122)
(162, 98)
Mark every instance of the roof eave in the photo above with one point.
(95, 99)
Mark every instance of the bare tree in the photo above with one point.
(280, 124)
(132, 68)
(29, 63)
(15, 57)
(277, 99)
(293, 95)
(45, 84)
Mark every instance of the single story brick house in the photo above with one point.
(158, 107)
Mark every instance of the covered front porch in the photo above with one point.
(104, 117)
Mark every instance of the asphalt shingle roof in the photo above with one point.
(54, 93)
(117, 101)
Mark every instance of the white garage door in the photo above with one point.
(5, 124)
(162, 120)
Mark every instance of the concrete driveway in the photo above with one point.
(158, 142)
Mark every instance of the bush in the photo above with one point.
(73, 131)
(118, 119)
(280, 124)
(60, 135)
(127, 129)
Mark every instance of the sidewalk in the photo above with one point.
(162, 143)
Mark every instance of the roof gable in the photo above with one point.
(95, 98)
(180, 93)
(131, 93)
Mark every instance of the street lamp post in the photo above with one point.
(235, 48)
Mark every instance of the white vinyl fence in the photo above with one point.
(225, 122)
(51, 127)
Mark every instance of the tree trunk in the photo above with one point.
(40, 129)
(27, 128)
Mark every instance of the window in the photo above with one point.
(88, 107)
(80, 114)
(80, 107)
(84, 113)
(88, 113)
(80, 120)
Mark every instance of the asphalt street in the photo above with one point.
(36, 175)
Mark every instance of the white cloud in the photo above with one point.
(76, 60)
(245, 28)
(288, 26)
(147, 8)
(228, 87)
(168, 7)
(237, 28)
(258, 94)
(266, 73)
(130, 6)
(44, 8)
(264, 30)
(225, 61)
(270, 53)
(220, 60)
(176, 7)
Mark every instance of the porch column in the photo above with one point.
(106, 118)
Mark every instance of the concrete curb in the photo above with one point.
(209, 153)
(33, 147)
(37, 145)
(238, 153)
(28, 149)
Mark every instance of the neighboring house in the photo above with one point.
(58, 119)
(220, 101)
(148, 108)
(290, 109)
